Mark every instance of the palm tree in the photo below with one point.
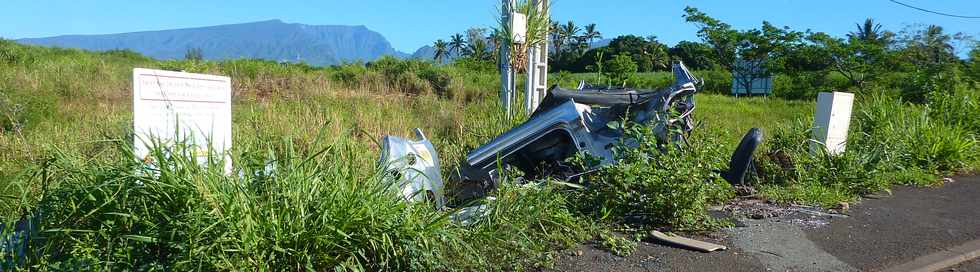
(457, 44)
(556, 38)
(478, 50)
(938, 44)
(579, 45)
(570, 32)
(495, 39)
(440, 47)
(591, 34)
(869, 32)
(935, 38)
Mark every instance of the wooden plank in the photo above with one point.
(687, 242)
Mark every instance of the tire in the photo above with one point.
(742, 157)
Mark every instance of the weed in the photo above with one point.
(619, 244)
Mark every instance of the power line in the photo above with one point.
(935, 12)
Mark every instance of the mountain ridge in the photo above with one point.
(269, 39)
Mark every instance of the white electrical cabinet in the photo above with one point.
(831, 121)
(518, 27)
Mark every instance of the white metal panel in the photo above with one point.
(831, 121)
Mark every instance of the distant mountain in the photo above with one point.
(424, 52)
(600, 43)
(271, 40)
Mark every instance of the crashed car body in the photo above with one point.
(565, 123)
(572, 121)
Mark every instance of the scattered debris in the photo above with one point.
(948, 180)
(746, 191)
(467, 216)
(687, 242)
(14, 242)
(756, 209)
(414, 167)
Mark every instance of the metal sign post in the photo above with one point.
(537, 57)
(537, 64)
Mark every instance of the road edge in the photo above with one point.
(942, 259)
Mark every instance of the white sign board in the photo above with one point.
(831, 121)
(199, 105)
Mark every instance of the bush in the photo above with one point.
(475, 65)
(715, 81)
(619, 69)
(18, 111)
(15, 54)
(349, 73)
(805, 85)
(657, 185)
(957, 107)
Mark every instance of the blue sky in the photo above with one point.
(411, 24)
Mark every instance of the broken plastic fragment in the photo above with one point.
(414, 167)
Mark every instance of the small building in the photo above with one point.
(751, 78)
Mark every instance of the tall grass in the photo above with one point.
(284, 209)
(891, 142)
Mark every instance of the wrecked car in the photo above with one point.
(565, 123)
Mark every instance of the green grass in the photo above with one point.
(65, 124)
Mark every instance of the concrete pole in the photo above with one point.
(506, 72)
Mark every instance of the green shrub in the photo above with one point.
(475, 65)
(913, 138)
(349, 73)
(619, 69)
(958, 107)
(803, 85)
(659, 186)
(12, 53)
(715, 81)
(438, 78)
(18, 110)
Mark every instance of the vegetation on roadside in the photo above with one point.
(306, 193)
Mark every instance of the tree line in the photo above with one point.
(924, 56)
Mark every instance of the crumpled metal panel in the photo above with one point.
(414, 168)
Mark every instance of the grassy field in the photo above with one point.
(66, 131)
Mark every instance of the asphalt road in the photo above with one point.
(877, 233)
(884, 232)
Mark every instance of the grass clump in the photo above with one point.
(285, 209)
(890, 143)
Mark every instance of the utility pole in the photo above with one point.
(507, 84)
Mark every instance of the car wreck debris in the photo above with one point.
(414, 167)
(566, 123)
(572, 121)
(14, 241)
